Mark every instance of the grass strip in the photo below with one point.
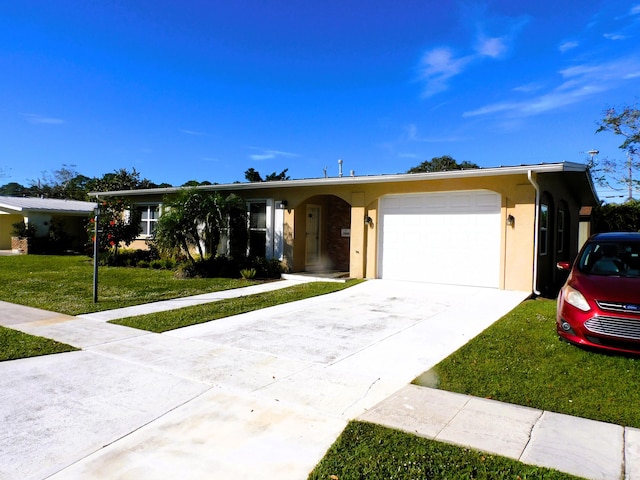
(15, 344)
(184, 317)
(365, 450)
(521, 360)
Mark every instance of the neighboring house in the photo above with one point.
(502, 227)
(62, 219)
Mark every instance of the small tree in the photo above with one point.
(612, 173)
(118, 223)
(441, 164)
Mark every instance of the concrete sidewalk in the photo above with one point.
(264, 394)
(175, 303)
(582, 447)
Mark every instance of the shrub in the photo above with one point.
(271, 268)
(222, 266)
(127, 258)
(248, 273)
(22, 230)
(611, 217)
(157, 264)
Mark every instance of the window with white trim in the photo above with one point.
(544, 228)
(257, 221)
(149, 215)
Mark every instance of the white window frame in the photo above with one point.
(151, 222)
(544, 229)
(268, 229)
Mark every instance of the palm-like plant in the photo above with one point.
(193, 219)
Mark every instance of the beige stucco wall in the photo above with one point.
(518, 199)
(6, 226)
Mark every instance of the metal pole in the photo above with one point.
(630, 178)
(95, 256)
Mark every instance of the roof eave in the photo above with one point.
(405, 177)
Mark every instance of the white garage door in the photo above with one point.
(447, 237)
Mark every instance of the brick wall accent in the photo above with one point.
(19, 245)
(338, 217)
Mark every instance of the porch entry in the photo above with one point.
(313, 240)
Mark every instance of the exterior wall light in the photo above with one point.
(511, 221)
(282, 204)
(368, 220)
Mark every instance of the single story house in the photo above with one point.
(503, 227)
(63, 219)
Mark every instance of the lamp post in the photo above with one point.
(96, 219)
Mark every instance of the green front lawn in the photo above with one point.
(520, 360)
(373, 452)
(15, 344)
(183, 317)
(64, 284)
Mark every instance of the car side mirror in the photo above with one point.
(563, 266)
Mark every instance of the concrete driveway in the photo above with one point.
(259, 395)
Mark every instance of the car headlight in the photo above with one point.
(575, 298)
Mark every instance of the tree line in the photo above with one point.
(67, 183)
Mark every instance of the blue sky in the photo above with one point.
(206, 89)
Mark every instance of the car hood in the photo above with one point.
(600, 287)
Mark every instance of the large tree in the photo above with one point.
(252, 175)
(13, 189)
(621, 174)
(441, 164)
(121, 179)
(65, 183)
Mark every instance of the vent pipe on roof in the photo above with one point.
(352, 173)
(340, 167)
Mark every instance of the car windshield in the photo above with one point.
(619, 259)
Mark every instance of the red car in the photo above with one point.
(599, 305)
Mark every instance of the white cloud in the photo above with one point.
(635, 10)
(578, 83)
(437, 67)
(492, 40)
(491, 47)
(566, 46)
(38, 119)
(262, 157)
(270, 154)
(615, 36)
(528, 88)
(190, 132)
(411, 135)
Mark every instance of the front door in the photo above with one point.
(312, 257)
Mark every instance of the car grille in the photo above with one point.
(619, 306)
(615, 327)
